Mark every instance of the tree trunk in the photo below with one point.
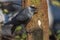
(38, 26)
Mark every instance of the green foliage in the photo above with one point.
(18, 28)
(20, 36)
(24, 35)
(58, 31)
(55, 3)
(5, 11)
(58, 34)
(17, 37)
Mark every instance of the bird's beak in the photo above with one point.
(35, 11)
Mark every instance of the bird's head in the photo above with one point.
(34, 9)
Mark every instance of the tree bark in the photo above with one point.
(42, 16)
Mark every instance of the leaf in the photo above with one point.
(18, 28)
(56, 3)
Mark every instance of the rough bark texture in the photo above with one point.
(42, 14)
